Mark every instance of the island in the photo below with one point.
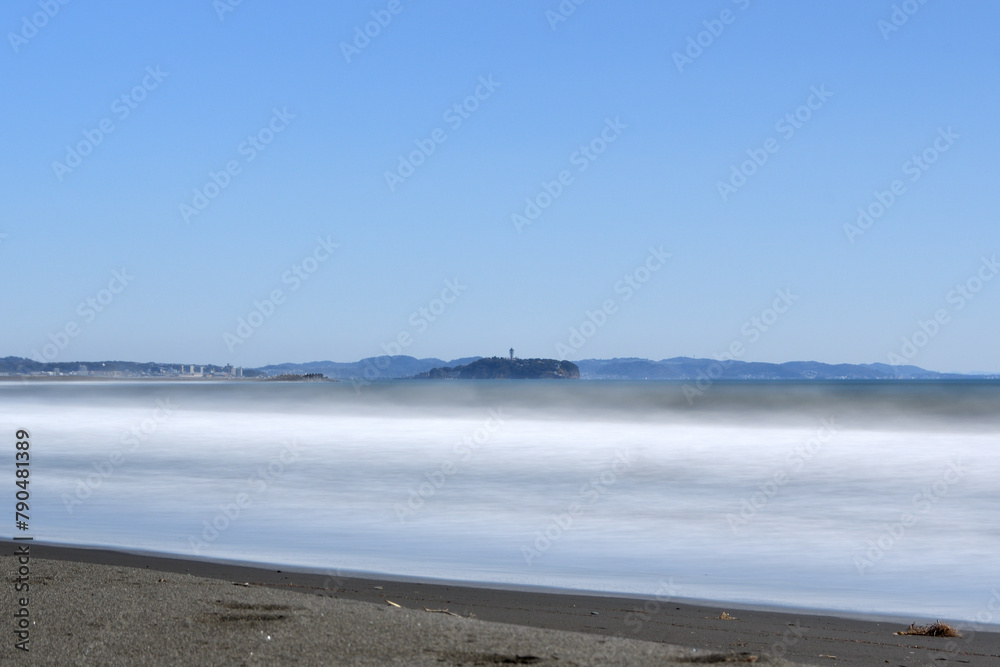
(500, 368)
(296, 377)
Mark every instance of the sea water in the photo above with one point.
(867, 498)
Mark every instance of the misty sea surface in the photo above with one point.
(864, 498)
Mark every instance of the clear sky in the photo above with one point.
(652, 175)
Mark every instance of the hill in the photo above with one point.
(499, 368)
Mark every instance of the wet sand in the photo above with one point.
(91, 606)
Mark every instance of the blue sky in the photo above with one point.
(643, 125)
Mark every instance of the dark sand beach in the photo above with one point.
(90, 606)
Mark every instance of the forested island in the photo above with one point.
(500, 368)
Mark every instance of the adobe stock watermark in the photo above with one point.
(562, 12)
(666, 593)
(248, 149)
(704, 39)
(257, 484)
(419, 321)
(87, 310)
(334, 580)
(31, 25)
(786, 126)
(752, 330)
(582, 158)
(914, 168)
(135, 436)
(921, 505)
(454, 116)
(989, 614)
(629, 284)
(223, 7)
(789, 638)
(589, 494)
(294, 276)
(97, 651)
(121, 108)
(958, 297)
(795, 462)
(463, 450)
(900, 16)
(363, 35)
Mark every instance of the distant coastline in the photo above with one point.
(373, 369)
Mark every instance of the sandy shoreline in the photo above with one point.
(89, 606)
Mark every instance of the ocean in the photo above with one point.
(855, 497)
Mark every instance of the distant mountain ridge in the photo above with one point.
(689, 368)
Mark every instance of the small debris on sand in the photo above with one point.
(936, 629)
(442, 611)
